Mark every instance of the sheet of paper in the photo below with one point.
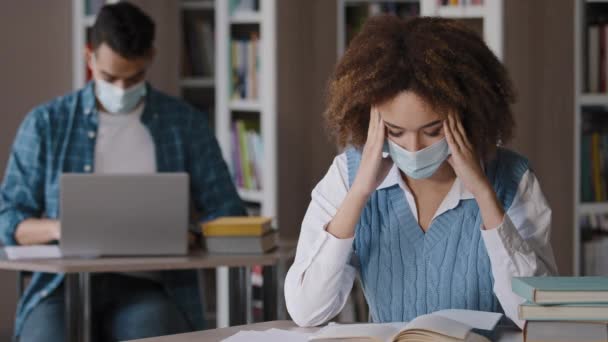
(271, 335)
(475, 319)
(32, 252)
(379, 331)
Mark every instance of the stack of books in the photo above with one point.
(563, 308)
(239, 235)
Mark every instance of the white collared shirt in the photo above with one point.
(321, 277)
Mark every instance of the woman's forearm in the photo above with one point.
(492, 212)
(344, 222)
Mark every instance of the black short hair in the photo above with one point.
(125, 28)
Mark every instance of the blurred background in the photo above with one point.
(258, 68)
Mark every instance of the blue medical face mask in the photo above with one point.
(118, 100)
(419, 164)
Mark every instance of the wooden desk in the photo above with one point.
(505, 335)
(78, 271)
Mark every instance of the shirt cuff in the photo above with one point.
(505, 236)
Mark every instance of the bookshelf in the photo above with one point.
(590, 138)
(197, 55)
(246, 93)
(484, 16)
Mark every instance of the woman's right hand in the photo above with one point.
(372, 168)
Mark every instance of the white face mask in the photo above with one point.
(116, 99)
(419, 164)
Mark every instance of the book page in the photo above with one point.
(439, 324)
(475, 319)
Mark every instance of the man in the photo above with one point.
(116, 123)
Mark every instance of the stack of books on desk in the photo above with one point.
(563, 308)
(240, 235)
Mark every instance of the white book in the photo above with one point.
(445, 325)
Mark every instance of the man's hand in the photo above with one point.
(38, 231)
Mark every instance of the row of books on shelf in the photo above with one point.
(198, 46)
(356, 15)
(593, 225)
(594, 167)
(595, 256)
(459, 2)
(563, 308)
(597, 58)
(247, 154)
(245, 68)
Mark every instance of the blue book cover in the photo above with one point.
(561, 290)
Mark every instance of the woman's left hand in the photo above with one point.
(464, 159)
(465, 162)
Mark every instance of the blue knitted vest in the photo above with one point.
(406, 272)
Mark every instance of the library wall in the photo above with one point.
(36, 66)
(306, 49)
(539, 52)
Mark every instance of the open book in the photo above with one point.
(440, 326)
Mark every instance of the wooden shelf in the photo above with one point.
(197, 5)
(593, 208)
(247, 195)
(197, 82)
(245, 105)
(365, 2)
(594, 99)
(246, 18)
(461, 12)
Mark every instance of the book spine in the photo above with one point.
(597, 187)
(236, 156)
(593, 58)
(244, 155)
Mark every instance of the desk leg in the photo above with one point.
(223, 297)
(281, 272)
(72, 308)
(248, 295)
(85, 292)
(270, 293)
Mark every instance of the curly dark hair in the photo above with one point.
(441, 60)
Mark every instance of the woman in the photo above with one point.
(423, 203)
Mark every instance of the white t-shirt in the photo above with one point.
(124, 144)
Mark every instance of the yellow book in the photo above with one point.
(237, 226)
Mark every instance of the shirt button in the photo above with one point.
(44, 293)
(87, 111)
(87, 168)
(91, 134)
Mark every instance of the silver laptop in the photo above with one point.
(119, 215)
